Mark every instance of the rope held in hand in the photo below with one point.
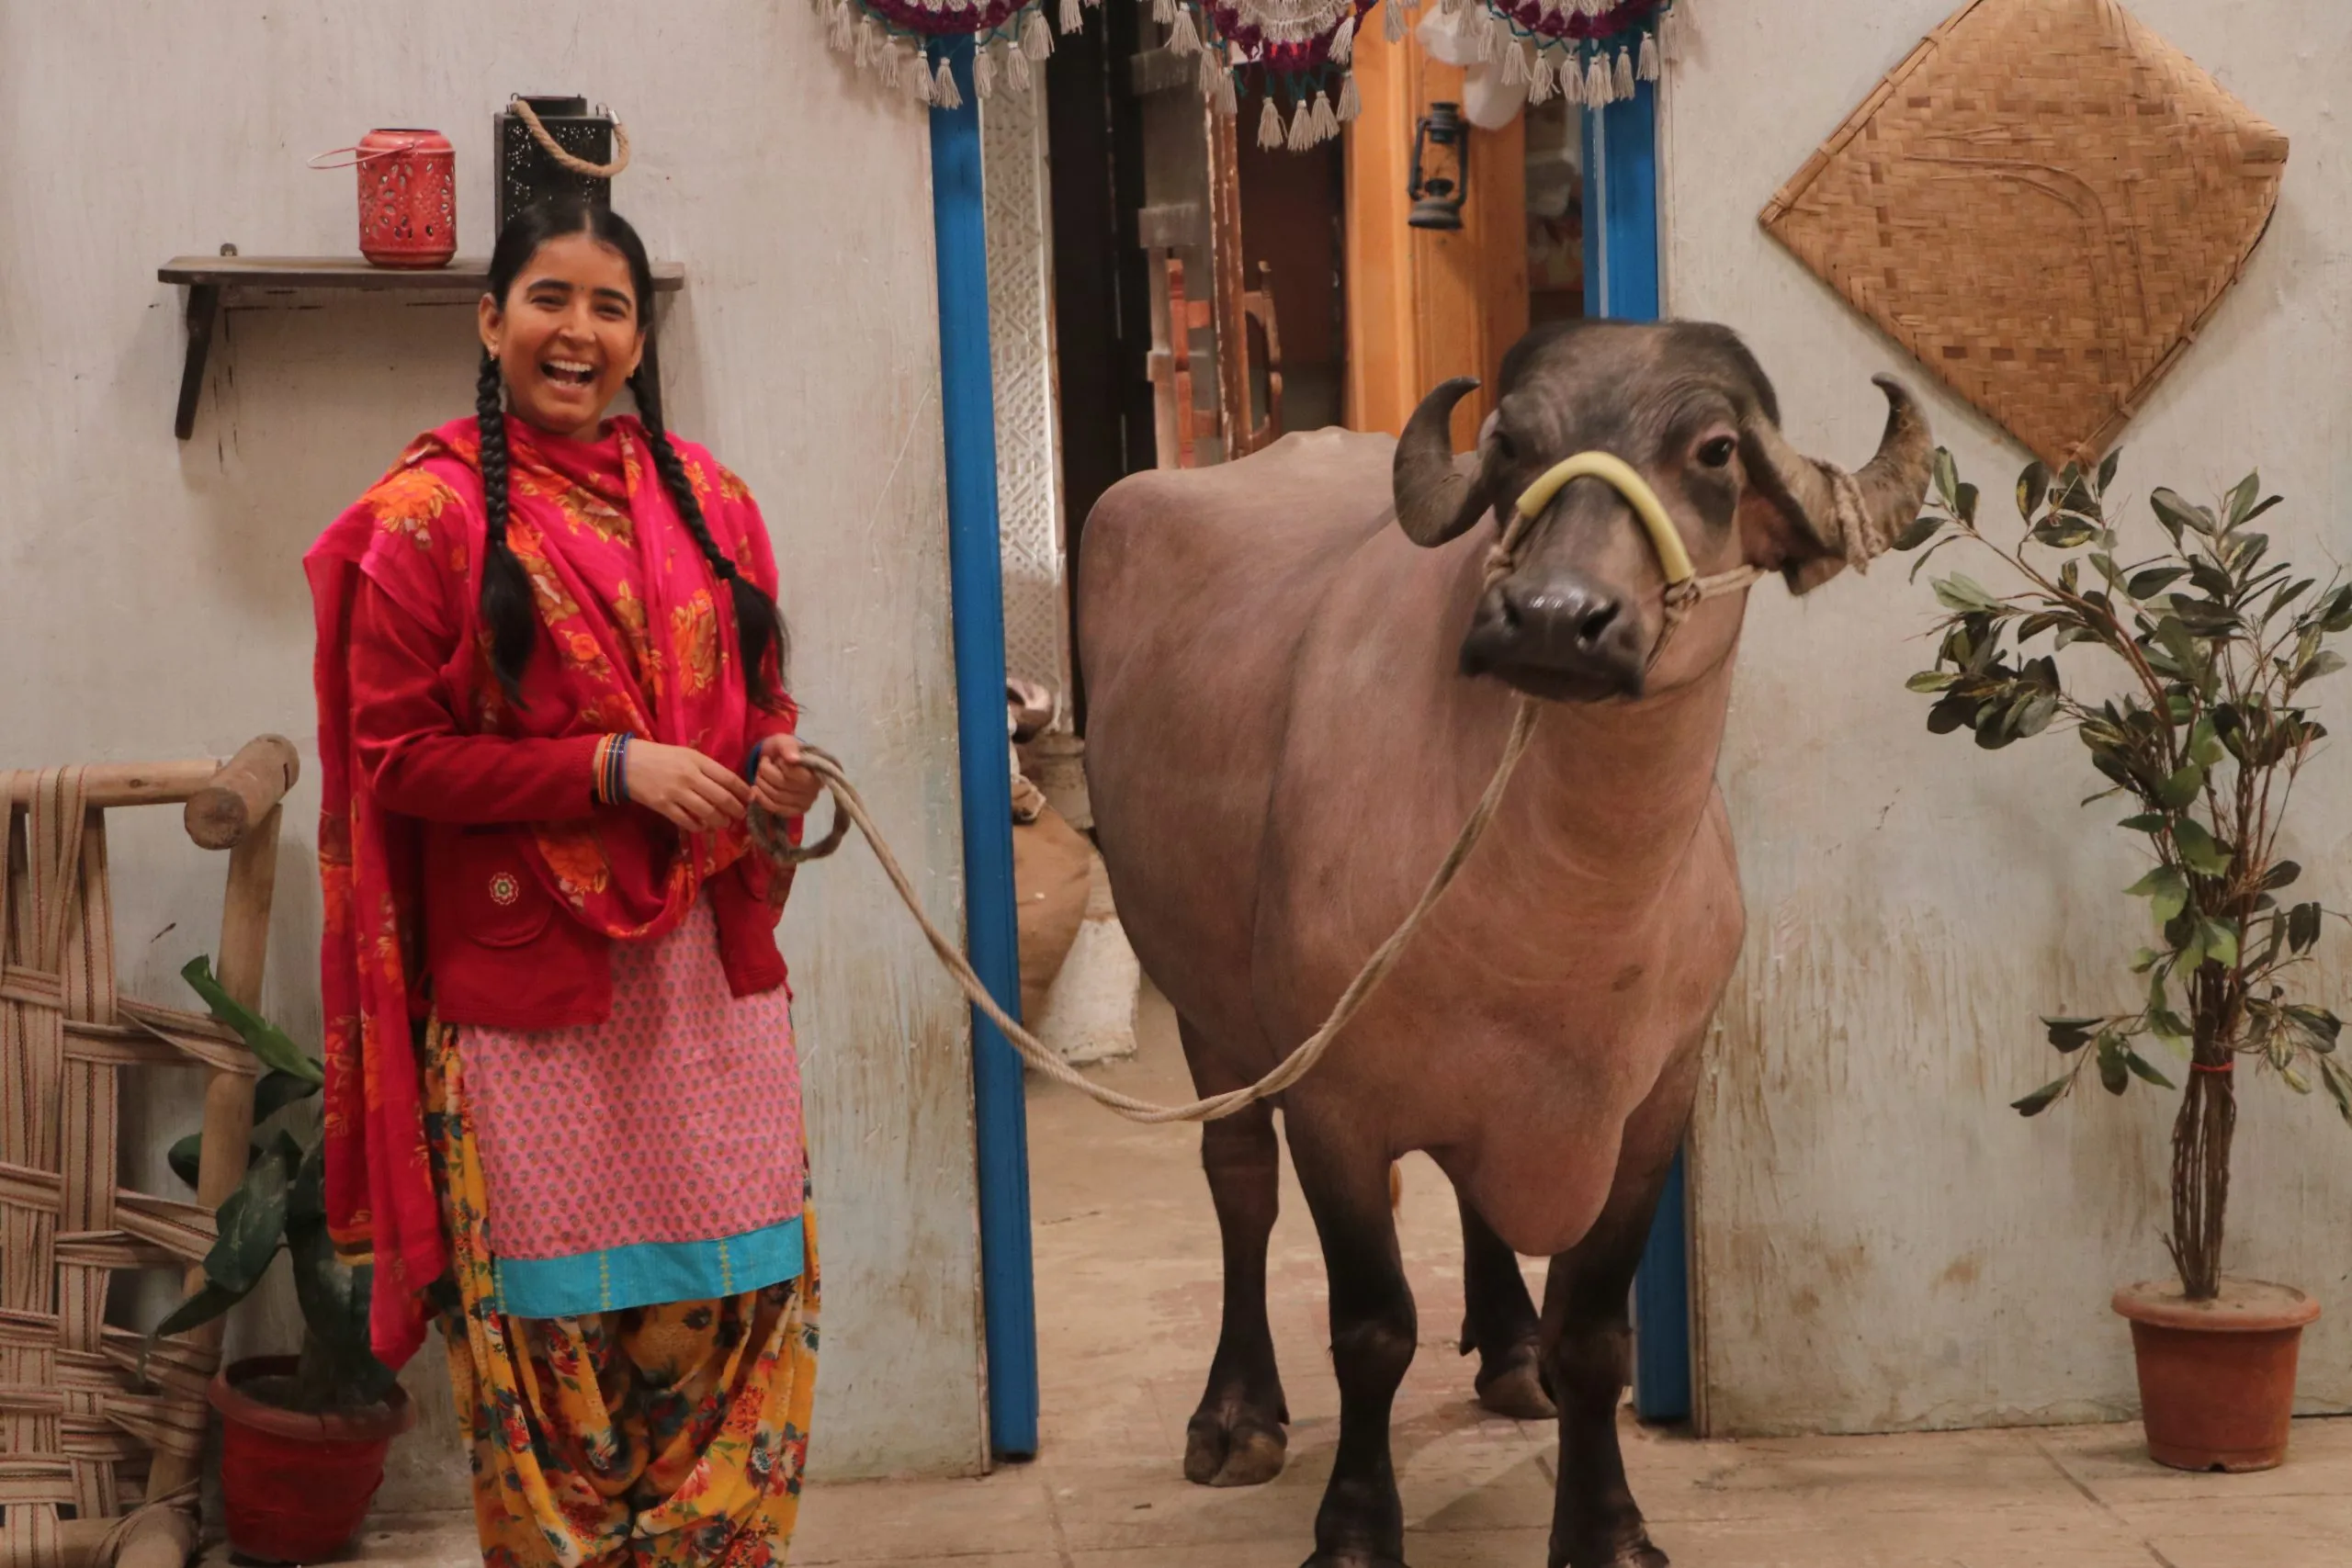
(849, 807)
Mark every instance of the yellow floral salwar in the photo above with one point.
(657, 1437)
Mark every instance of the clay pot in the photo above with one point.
(2217, 1379)
(295, 1486)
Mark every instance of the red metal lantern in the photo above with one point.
(408, 197)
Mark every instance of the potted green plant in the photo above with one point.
(303, 1437)
(2208, 645)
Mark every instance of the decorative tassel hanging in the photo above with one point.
(944, 93)
(1212, 67)
(1343, 41)
(1395, 24)
(918, 85)
(1270, 124)
(1598, 89)
(869, 43)
(1301, 127)
(841, 28)
(1514, 64)
(983, 70)
(1163, 12)
(1037, 37)
(1228, 96)
(1073, 18)
(1327, 121)
(1571, 78)
(1648, 69)
(1626, 74)
(1351, 101)
(1016, 69)
(1543, 81)
(1184, 38)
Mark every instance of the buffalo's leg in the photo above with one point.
(1588, 1342)
(1236, 1436)
(1373, 1329)
(1498, 1323)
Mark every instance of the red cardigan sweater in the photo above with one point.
(499, 951)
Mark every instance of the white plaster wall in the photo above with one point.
(1879, 1241)
(152, 601)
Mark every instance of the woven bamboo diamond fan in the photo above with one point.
(2043, 203)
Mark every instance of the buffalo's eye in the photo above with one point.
(1716, 454)
(1505, 447)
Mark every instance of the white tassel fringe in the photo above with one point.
(944, 92)
(1270, 124)
(1543, 81)
(1037, 37)
(1302, 128)
(983, 71)
(1184, 38)
(1598, 89)
(1327, 119)
(1648, 70)
(1351, 101)
(1514, 64)
(1625, 88)
(1343, 41)
(1073, 18)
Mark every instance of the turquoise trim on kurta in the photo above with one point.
(649, 1273)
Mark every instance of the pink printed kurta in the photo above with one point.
(678, 1118)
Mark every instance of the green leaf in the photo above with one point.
(1966, 496)
(2167, 888)
(2042, 1098)
(2323, 663)
(2302, 927)
(2033, 486)
(252, 1222)
(2221, 940)
(187, 1155)
(2153, 580)
(2144, 960)
(2282, 874)
(2034, 714)
(1933, 679)
(2339, 1086)
(2114, 1075)
(209, 1302)
(1947, 479)
(2198, 848)
(2146, 822)
(1960, 591)
(2323, 1026)
(2106, 467)
(2240, 504)
(2144, 1070)
(2176, 514)
(1922, 529)
(264, 1038)
(277, 1091)
(2183, 787)
(2069, 1034)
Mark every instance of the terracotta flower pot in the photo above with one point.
(297, 1486)
(2217, 1379)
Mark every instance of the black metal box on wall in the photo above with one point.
(527, 172)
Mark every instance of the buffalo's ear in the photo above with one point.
(1808, 519)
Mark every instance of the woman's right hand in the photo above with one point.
(679, 783)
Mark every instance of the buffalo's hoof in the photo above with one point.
(1640, 1553)
(1514, 1387)
(1239, 1450)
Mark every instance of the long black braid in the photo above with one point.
(506, 598)
(759, 624)
(506, 587)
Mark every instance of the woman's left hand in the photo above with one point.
(784, 787)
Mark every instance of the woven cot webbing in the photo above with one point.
(77, 1422)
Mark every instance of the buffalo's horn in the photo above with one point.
(1435, 498)
(1853, 517)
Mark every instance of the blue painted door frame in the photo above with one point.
(975, 570)
(1621, 280)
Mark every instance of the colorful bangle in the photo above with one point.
(611, 767)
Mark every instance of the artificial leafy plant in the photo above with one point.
(2210, 644)
(282, 1204)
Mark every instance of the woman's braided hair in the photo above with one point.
(506, 598)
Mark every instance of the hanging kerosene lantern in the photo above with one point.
(408, 197)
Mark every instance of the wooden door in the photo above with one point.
(1424, 306)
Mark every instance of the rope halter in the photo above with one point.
(1684, 587)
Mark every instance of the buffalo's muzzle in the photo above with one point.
(1554, 631)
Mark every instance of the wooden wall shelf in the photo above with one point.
(210, 280)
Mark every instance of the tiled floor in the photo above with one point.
(1127, 1286)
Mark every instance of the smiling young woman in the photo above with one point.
(563, 1102)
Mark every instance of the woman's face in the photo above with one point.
(567, 336)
